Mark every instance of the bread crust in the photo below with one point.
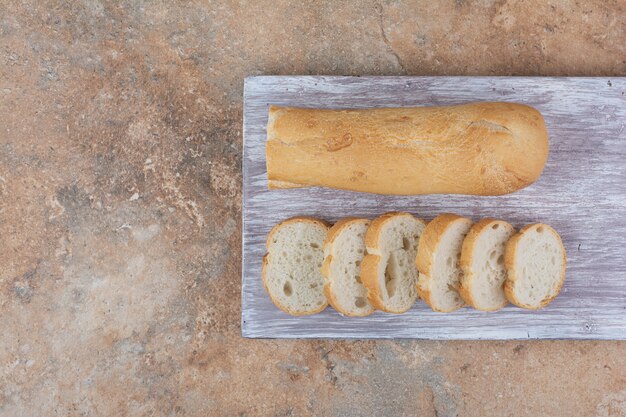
(371, 261)
(332, 234)
(482, 148)
(369, 278)
(472, 238)
(280, 185)
(339, 226)
(510, 254)
(265, 263)
(429, 241)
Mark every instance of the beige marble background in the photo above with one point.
(120, 203)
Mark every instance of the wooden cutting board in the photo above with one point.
(582, 194)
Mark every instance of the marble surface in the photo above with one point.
(120, 205)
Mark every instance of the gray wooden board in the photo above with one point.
(582, 193)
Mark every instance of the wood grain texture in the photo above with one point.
(582, 194)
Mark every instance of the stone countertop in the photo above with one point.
(120, 209)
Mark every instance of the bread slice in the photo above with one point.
(438, 261)
(388, 270)
(482, 263)
(535, 263)
(291, 268)
(344, 250)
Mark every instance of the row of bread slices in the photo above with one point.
(359, 266)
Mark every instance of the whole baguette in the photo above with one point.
(477, 149)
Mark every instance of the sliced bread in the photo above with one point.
(438, 260)
(535, 262)
(291, 268)
(388, 270)
(344, 250)
(482, 263)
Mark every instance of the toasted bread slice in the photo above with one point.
(291, 268)
(535, 263)
(344, 250)
(438, 261)
(482, 263)
(388, 270)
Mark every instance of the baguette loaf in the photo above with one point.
(478, 149)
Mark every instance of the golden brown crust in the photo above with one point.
(338, 227)
(371, 261)
(467, 258)
(476, 148)
(510, 253)
(376, 228)
(331, 299)
(431, 236)
(424, 292)
(265, 264)
(296, 219)
(369, 278)
(332, 234)
(429, 241)
(325, 269)
(278, 185)
(509, 263)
